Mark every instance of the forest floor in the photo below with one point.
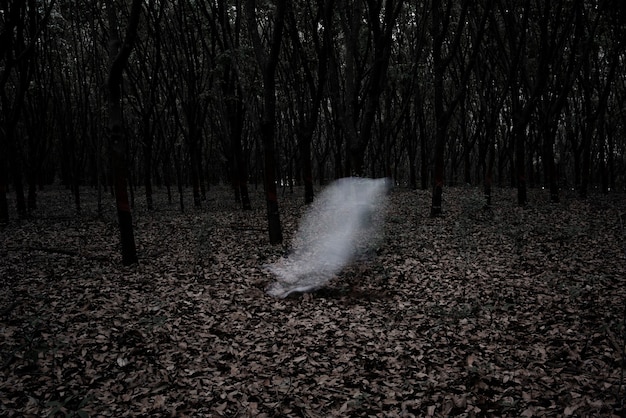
(509, 313)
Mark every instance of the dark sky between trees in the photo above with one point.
(430, 93)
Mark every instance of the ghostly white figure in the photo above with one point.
(342, 223)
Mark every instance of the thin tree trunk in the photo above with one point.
(268, 63)
(604, 178)
(307, 169)
(148, 146)
(490, 130)
(18, 55)
(489, 173)
(520, 158)
(179, 179)
(4, 204)
(440, 63)
(118, 55)
(423, 156)
(548, 159)
(240, 173)
(440, 125)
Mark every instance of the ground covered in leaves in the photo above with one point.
(510, 312)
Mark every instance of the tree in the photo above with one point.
(119, 51)
(231, 106)
(358, 73)
(76, 110)
(490, 101)
(442, 111)
(268, 62)
(595, 88)
(526, 79)
(145, 79)
(306, 76)
(37, 125)
(559, 83)
(190, 59)
(18, 38)
(360, 87)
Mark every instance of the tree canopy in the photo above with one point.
(427, 93)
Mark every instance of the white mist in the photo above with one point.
(344, 222)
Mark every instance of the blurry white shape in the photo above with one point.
(343, 223)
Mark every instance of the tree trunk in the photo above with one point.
(148, 148)
(179, 178)
(194, 157)
(490, 130)
(268, 63)
(423, 157)
(549, 133)
(307, 168)
(21, 21)
(611, 160)
(604, 178)
(520, 158)
(440, 125)
(443, 113)
(586, 162)
(411, 148)
(16, 173)
(118, 56)
(271, 194)
(148, 171)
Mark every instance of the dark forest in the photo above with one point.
(156, 155)
(431, 94)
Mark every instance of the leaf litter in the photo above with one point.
(509, 312)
